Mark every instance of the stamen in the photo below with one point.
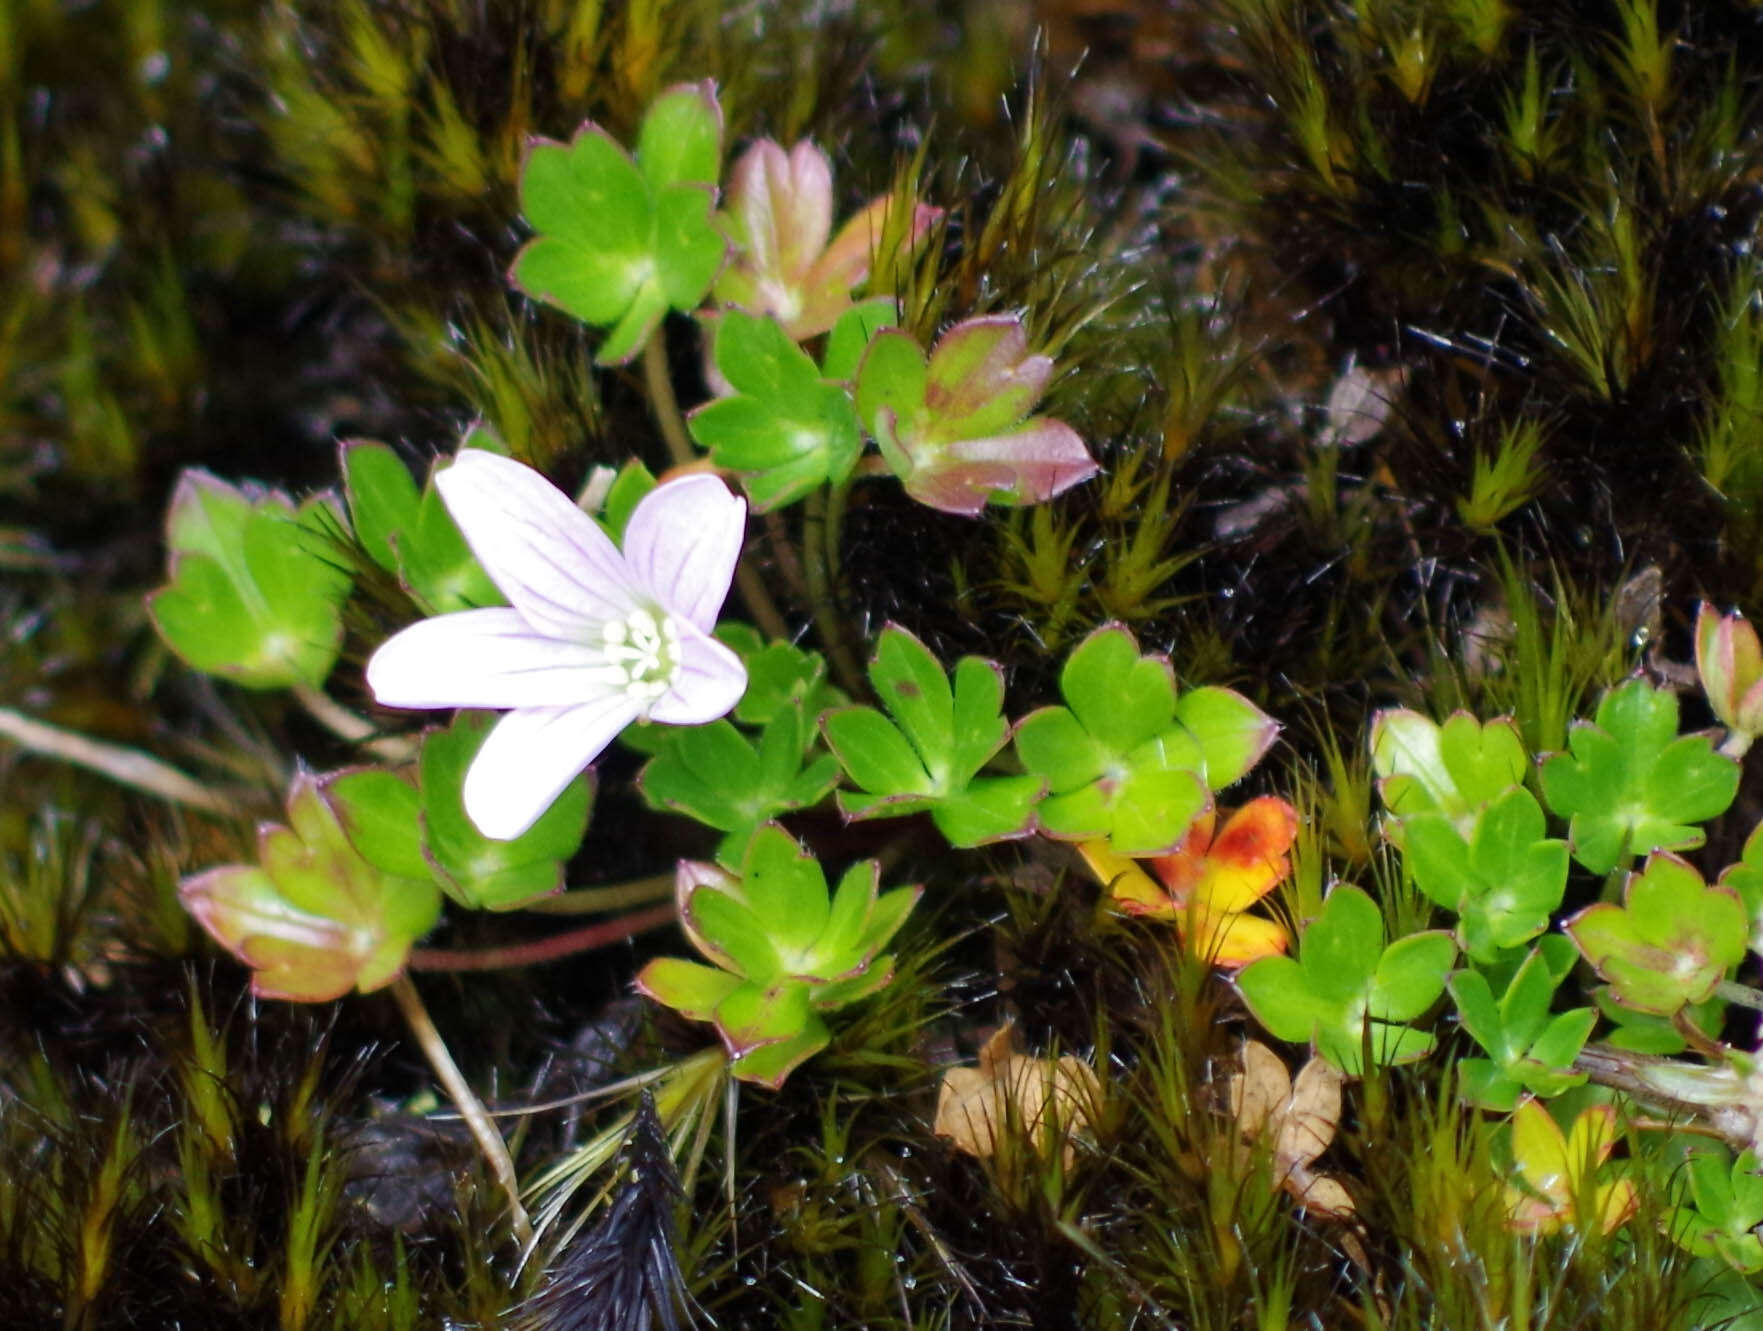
(642, 650)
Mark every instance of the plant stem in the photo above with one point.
(471, 1109)
(541, 950)
(130, 767)
(664, 406)
(615, 896)
(821, 569)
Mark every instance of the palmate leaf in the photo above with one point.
(784, 951)
(1670, 943)
(785, 429)
(1529, 1049)
(1124, 758)
(1503, 882)
(1346, 991)
(1631, 784)
(421, 830)
(620, 240)
(257, 586)
(313, 918)
(409, 532)
(928, 751)
(715, 774)
(1451, 770)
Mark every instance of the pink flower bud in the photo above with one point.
(1729, 660)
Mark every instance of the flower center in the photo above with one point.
(643, 651)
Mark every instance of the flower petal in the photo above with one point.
(681, 544)
(711, 680)
(546, 556)
(485, 658)
(532, 754)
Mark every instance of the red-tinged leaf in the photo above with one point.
(982, 379)
(1026, 466)
(1247, 857)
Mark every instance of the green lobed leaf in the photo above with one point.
(1452, 769)
(617, 243)
(1503, 883)
(1341, 947)
(716, 775)
(890, 387)
(731, 934)
(680, 140)
(931, 751)
(1233, 733)
(785, 888)
(381, 814)
(1053, 743)
(1629, 786)
(410, 533)
(383, 498)
(991, 808)
(256, 588)
(688, 987)
(1115, 759)
(851, 336)
(779, 675)
(1346, 991)
(1670, 943)
(756, 1014)
(1410, 976)
(1277, 993)
(593, 212)
(688, 249)
(475, 870)
(314, 918)
(1122, 698)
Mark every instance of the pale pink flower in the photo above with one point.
(593, 637)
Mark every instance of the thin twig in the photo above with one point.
(541, 950)
(1742, 994)
(128, 766)
(346, 725)
(471, 1109)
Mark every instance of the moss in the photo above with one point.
(231, 233)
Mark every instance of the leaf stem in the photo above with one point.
(820, 567)
(664, 406)
(129, 767)
(471, 1109)
(1736, 744)
(541, 950)
(614, 896)
(1742, 994)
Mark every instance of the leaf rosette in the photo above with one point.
(782, 951)
(313, 918)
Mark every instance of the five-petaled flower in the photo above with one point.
(593, 638)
